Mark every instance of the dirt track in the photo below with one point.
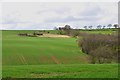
(55, 60)
(54, 35)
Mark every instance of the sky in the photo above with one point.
(47, 15)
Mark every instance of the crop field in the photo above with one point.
(47, 57)
(94, 31)
(62, 71)
(34, 50)
(101, 32)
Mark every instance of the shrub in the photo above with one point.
(74, 33)
(100, 47)
(61, 32)
(103, 54)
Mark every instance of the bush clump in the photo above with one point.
(101, 48)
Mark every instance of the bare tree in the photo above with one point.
(90, 27)
(67, 27)
(55, 28)
(104, 27)
(116, 25)
(99, 26)
(109, 25)
(85, 27)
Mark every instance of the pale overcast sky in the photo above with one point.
(45, 15)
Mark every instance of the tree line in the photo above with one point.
(102, 26)
(67, 27)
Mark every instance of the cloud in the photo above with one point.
(92, 11)
(73, 19)
(48, 15)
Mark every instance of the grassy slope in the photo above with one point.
(62, 71)
(100, 32)
(94, 31)
(36, 50)
(33, 49)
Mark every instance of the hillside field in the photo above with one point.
(46, 57)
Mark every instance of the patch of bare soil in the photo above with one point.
(55, 60)
(54, 74)
(54, 36)
(22, 59)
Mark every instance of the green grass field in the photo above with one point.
(62, 71)
(37, 57)
(33, 50)
(94, 31)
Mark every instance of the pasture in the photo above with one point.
(47, 57)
